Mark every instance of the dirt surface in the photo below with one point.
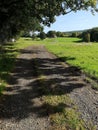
(22, 106)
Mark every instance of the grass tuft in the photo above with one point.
(2, 87)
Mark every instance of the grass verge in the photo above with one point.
(92, 82)
(8, 54)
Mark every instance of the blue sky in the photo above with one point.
(74, 21)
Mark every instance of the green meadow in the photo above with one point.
(70, 50)
(76, 53)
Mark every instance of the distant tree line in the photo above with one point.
(90, 35)
(50, 34)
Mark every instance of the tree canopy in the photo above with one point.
(17, 15)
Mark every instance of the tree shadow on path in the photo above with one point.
(22, 96)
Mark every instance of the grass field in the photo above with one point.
(71, 50)
(76, 53)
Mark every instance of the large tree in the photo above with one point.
(17, 15)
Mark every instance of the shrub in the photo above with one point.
(42, 35)
(86, 37)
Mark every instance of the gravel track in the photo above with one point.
(22, 107)
(21, 104)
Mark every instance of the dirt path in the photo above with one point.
(21, 108)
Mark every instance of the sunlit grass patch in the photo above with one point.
(63, 113)
(82, 55)
(2, 87)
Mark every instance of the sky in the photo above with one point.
(74, 21)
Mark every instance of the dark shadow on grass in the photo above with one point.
(10, 44)
(67, 58)
(78, 41)
(6, 64)
(25, 86)
(28, 39)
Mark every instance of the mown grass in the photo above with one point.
(8, 54)
(76, 53)
(71, 50)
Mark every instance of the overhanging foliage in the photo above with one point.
(17, 15)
